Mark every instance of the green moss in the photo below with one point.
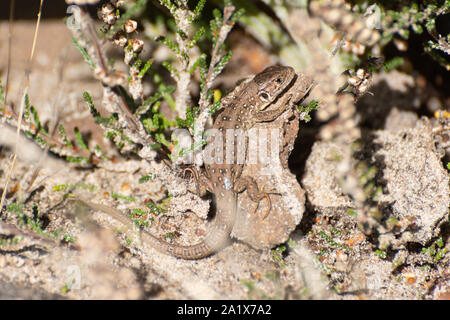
(381, 253)
(68, 238)
(351, 212)
(140, 217)
(170, 235)
(277, 255)
(146, 178)
(333, 243)
(436, 250)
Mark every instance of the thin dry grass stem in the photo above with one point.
(10, 229)
(44, 154)
(8, 68)
(52, 141)
(22, 106)
(52, 130)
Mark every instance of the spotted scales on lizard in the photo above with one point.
(242, 109)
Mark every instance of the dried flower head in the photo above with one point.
(120, 39)
(107, 8)
(130, 26)
(110, 18)
(136, 45)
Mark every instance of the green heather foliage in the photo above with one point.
(195, 33)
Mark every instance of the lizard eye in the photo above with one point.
(264, 96)
(278, 80)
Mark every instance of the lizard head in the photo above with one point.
(271, 82)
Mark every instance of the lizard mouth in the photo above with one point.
(280, 95)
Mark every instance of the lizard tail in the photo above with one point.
(216, 239)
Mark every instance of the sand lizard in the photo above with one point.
(242, 108)
(223, 177)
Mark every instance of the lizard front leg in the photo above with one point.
(269, 115)
(203, 183)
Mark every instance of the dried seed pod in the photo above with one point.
(136, 45)
(358, 49)
(110, 18)
(120, 39)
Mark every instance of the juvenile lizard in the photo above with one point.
(242, 109)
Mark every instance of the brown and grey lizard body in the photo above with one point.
(223, 176)
(242, 109)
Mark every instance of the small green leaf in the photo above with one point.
(146, 67)
(170, 44)
(200, 62)
(200, 33)
(216, 106)
(37, 121)
(118, 196)
(87, 97)
(83, 52)
(221, 64)
(381, 253)
(80, 140)
(198, 9)
(2, 94)
(173, 71)
(63, 134)
(82, 160)
(392, 64)
(145, 178)
(237, 15)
